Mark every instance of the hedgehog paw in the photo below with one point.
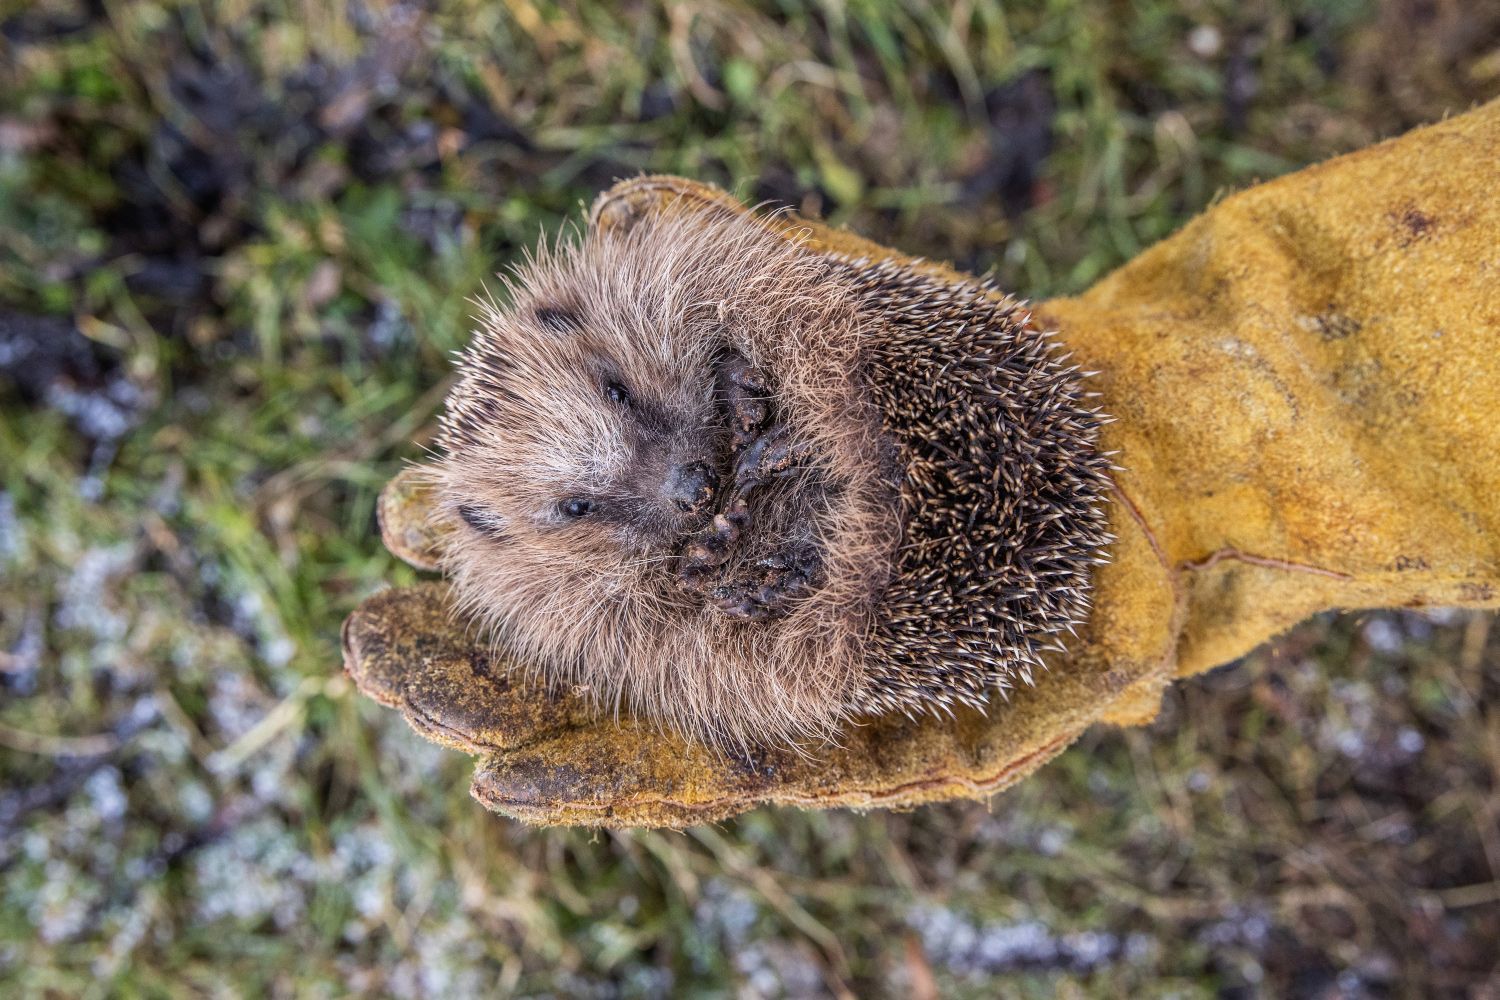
(772, 587)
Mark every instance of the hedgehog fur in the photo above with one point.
(748, 490)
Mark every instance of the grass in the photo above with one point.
(261, 222)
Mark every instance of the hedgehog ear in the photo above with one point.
(630, 201)
(482, 519)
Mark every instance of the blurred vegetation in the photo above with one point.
(236, 244)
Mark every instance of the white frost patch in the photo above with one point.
(12, 532)
(84, 602)
(1383, 635)
(107, 794)
(966, 948)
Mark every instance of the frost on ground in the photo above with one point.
(238, 244)
(970, 949)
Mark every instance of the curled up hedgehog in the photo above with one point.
(750, 492)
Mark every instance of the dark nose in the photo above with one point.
(691, 487)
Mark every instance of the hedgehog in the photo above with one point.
(749, 491)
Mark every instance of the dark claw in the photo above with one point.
(763, 452)
(737, 602)
(768, 456)
(784, 579)
(747, 398)
(710, 547)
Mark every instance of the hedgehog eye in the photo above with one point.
(617, 393)
(576, 507)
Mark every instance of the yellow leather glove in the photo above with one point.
(1306, 385)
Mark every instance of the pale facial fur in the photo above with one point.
(588, 443)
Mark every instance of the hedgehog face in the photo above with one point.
(582, 451)
(579, 441)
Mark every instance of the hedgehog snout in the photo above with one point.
(691, 487)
